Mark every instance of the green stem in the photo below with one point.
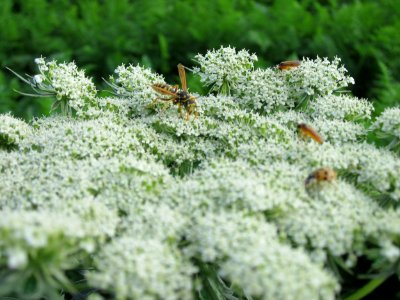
(225, 88)
(366, 289)
(62, 108)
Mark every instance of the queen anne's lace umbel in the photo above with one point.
(136, 203)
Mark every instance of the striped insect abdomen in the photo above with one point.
(160, 87)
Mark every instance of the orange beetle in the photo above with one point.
(307, 131)
(288, 65)
(322, 174)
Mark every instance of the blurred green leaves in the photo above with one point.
(100, 35)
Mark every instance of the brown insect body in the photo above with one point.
(322, 174)
(179, 97)
(307, 131)
(288, 65)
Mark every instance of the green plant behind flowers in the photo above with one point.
(160, 35)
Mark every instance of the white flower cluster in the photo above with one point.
(223, 69)
(317, 77)
(250, 256)
(341, 107)
(339, 132)
(70, 138)
(134, 83)
(240, 187)
(217, 207)
(387, 126)
(389, 121)
(267, 90)
(380, 169)
(12, 131)
(337, 230)
(383, 227)
(39, 246)
(72, 89)
(135, 268)
(334, 131)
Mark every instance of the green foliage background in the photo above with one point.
(100, 35)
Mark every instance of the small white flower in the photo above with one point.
(39, 61)
(38, 79)
(17, 258)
